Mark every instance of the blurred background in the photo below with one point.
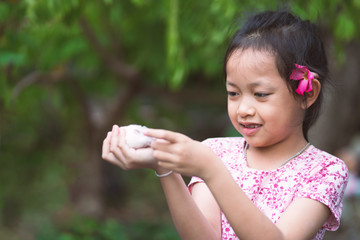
(71, 69)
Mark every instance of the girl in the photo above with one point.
(270, 183)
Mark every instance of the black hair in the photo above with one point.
(291, 40)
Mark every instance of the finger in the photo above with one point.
(114, 138)
(116, 162)
(164, 156)
(115, 150)
(121, 139)
(107, 154)
(142, 157)
(164, 134)
(122, 145)
(118, 144)
(106, 145)
(160, 144)
(124, 153)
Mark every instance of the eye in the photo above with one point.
(261, 95)
(232, 94)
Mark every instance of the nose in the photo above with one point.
(245, 107)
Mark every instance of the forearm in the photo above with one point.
(187, 217)
(245, 218)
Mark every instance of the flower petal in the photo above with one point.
(297, 74)
(303, 74)
(309, 75)
(301, 67)
(302, 87)
(309, 87)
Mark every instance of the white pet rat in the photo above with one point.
(135, 137)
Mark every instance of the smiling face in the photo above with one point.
(260, 105)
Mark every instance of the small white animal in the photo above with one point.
(135, 137)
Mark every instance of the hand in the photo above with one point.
(182, 154)
(116, 151)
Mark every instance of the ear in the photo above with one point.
(312, 95)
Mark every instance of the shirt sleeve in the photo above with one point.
(326, 183)
(192, 182)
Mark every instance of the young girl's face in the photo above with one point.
(260, 105)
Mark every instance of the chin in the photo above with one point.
(257, 143)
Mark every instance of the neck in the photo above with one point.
(272, 157)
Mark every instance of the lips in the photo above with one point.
(249, 129)
(250, 125)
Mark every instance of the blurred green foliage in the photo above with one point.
(89, 229)
(63, 64)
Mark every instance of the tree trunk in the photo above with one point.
(86, 191)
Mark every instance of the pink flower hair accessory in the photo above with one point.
(303, 74)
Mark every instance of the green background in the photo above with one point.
(70, 69)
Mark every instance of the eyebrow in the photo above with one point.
(231, 84)
(251, 85)
(255, 84)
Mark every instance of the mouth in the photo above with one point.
(250, 125)
(249, 129)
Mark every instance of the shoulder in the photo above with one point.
(325, 180)
(323, 161)
(320, 167)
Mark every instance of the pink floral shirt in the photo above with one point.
(314, 174)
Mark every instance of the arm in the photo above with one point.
(189, 157)
(309, 213)
(195, 216)
(302, 219)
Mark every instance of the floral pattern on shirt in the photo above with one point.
(314, 174)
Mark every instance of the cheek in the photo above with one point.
(232, 113)
(297, 112)
(231, 110)
(290, 116)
